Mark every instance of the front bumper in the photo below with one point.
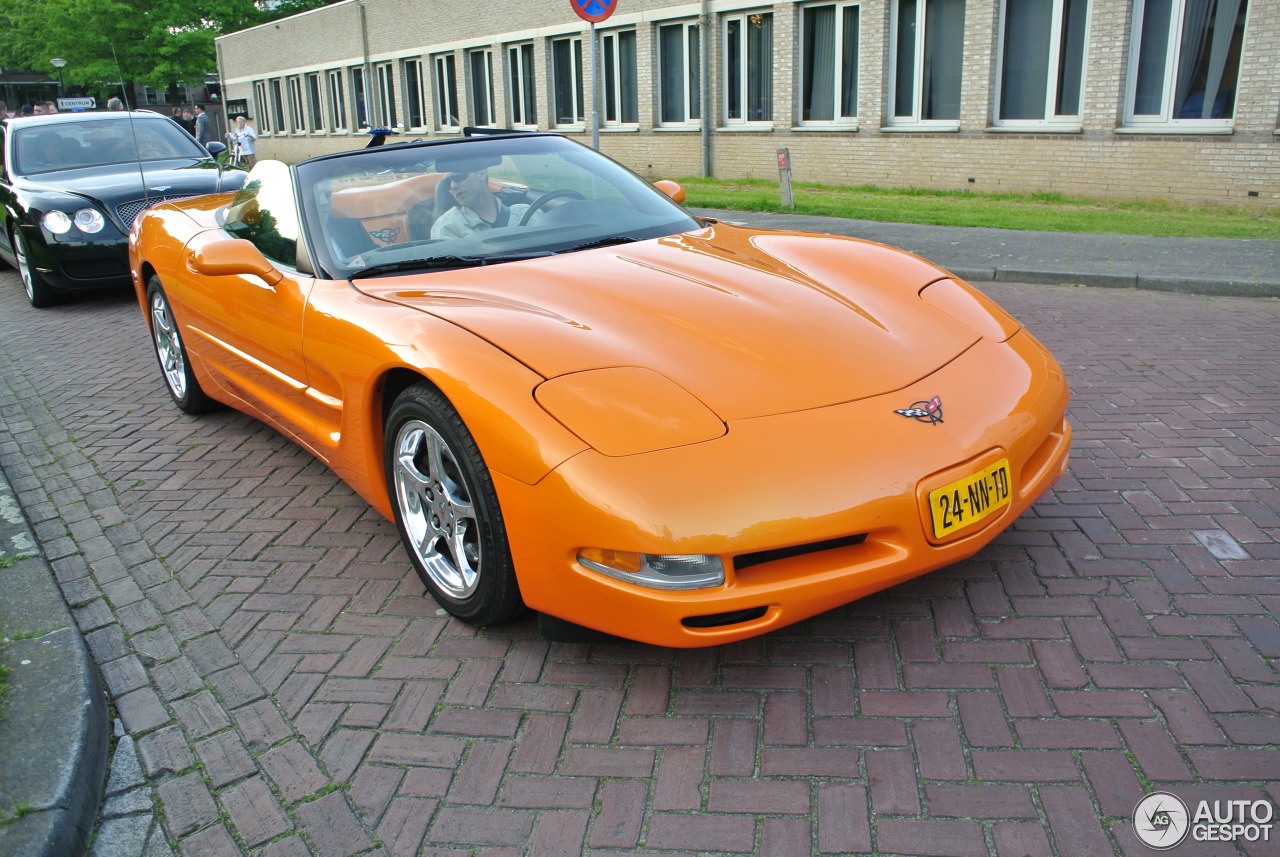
(845, 485)
(81, 262)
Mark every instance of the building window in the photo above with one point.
(927, 61)
(679, 68)
(295, 106)
(386, 96)
(748, 67)
(480, 64)
(446, 83)
(277, 107)
(337, 101)
(566, 81)
(314, 101)
(522, 91)
(620, 102)
(1185, 61)
(357, 91)
(415, 101)
(829, 64)
(263, 111)
(1041, 61)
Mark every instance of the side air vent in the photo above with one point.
(747, 560)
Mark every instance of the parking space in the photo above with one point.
(291, 691)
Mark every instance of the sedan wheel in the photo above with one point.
(39, 293)
(447, 510)
(172, 354)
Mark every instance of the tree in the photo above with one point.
(154, 42)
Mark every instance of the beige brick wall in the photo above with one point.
(1095, 159)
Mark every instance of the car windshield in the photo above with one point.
(477, 201)
(93, 143)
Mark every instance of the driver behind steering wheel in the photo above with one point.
(478, 209)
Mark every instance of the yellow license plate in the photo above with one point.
(968, 500)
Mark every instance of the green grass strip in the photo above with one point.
(1046, 212)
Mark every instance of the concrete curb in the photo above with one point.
(54, 733)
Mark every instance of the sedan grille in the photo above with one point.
(128, 211)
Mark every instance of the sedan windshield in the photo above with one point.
(472, 202)
(94, 143)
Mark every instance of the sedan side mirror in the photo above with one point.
(215, 148)
(671, 189)
(232, 257)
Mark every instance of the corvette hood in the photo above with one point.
(750, 322)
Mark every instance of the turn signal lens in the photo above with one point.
(656, 571)
(56, 222)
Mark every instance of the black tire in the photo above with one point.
(39, 292)
(175, 366)
(447, 509)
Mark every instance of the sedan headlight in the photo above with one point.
(671, 571)
(57, 222)
(88, 220)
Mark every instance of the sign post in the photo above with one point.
(784, 177)
(593, 12)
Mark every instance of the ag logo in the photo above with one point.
(1161, 820)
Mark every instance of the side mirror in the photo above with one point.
(215, 148)
(232, 257)
(671, 189)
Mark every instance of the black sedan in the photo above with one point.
(74, 182)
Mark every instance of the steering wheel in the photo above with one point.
(540, 202)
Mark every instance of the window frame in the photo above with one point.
(746, 20)
(264, 109)
(385, 81)
(315, 103)
(298, 119)
(567, 97)
(522, 91)
(276, 97)
(1052, 120)
(480, 95)
(1173, 53)
(838, 119)
(614, 80)
(444, 76)
(690, 71)
(337, 101)
(417, 107)
(359, 98)
(916, 120)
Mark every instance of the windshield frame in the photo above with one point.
(655, 214)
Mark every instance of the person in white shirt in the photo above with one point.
(478, 208)
(244, 135)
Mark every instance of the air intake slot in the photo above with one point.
(747, 560)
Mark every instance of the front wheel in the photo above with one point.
(186, 391)
(447, 510)
(39, 292)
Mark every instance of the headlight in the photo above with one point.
(679, 571)
(57, 222)
(627, 410)
(89, 220)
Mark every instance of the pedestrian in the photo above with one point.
(114, 103)
(37, 109)
(26, 110)
(50, 108)
(203, 133)
(4, 110)
(244, 136)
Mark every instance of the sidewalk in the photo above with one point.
(1209, 266)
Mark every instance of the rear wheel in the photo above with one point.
(39, 292)
(447, 510)
(181, 381)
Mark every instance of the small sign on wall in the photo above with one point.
(238, 107)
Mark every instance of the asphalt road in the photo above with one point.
(290, 691)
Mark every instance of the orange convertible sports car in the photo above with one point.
(572, 395)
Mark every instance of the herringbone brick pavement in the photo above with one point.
(292, 692)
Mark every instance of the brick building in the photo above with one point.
(1166, 99)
